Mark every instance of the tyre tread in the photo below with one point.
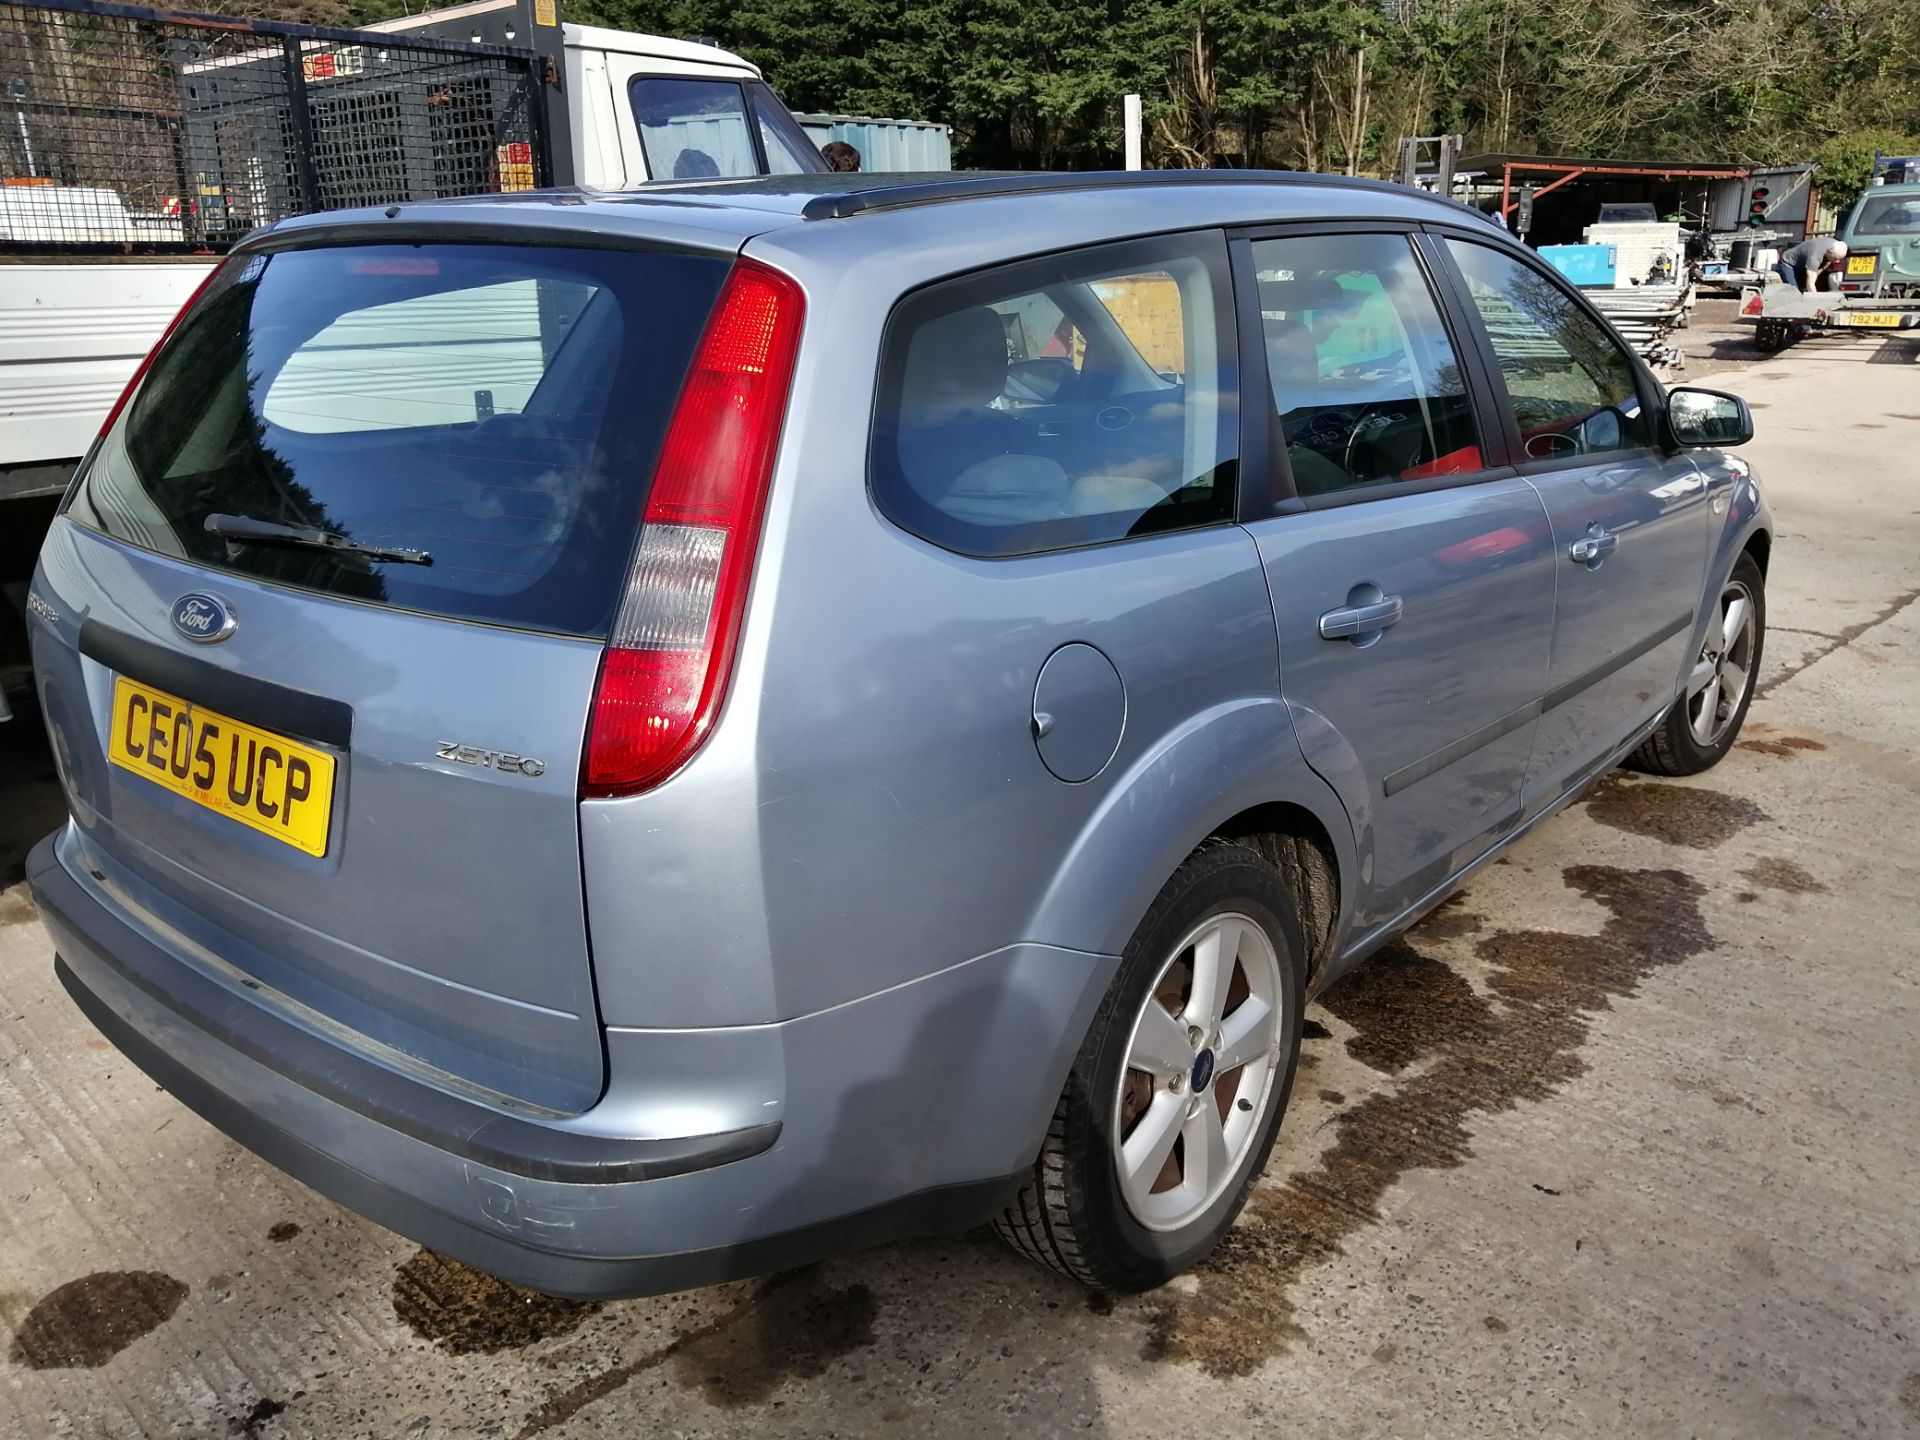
(1046, 1220)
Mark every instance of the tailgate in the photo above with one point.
(346, 565)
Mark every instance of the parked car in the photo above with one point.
(1069, 622)
(1882, 232)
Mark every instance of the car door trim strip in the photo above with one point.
(1560, 694)
(1438, 760)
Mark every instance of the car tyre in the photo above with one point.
(1101, 1205)
(1705, 721)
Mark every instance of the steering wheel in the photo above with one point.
(1361, 426)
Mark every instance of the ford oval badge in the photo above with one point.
(202, 618)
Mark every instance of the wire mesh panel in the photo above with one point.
(125, 129)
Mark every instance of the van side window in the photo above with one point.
(1062, 402)
(693, 129)
(1571, 385)
(1366, 387)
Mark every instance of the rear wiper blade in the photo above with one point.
(271, 532)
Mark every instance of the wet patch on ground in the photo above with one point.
(86, 1322)
(1785, 747)
(796, 1332)
(468, 1312)
(1773, 873)
(1449, 920)
(1314, 1030)
(792, 1326)
(1671, 814)
(250, 1423)
(17, 907)
(282, 1232)
(1403, 1006)
(1487, 1054)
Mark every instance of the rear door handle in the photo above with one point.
(1351, 620)
(1593, 547)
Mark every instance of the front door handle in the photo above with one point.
(1369, 619)
(1593, 547)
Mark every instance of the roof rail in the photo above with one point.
(997, 183)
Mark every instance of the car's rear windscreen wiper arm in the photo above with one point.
(247, 530)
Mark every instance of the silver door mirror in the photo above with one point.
(1707, 417)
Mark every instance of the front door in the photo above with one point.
(1630, 525)
(1412, 585)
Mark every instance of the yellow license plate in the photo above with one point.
(1872, 320)
(1861, 264)
(265, 781)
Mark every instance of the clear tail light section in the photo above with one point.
(671, 652)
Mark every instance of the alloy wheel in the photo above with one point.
(1718, 683)
(1200, 1070)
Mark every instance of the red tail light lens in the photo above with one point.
(671, 652)
(140, 371)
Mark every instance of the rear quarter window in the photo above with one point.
(1062, 402)
(495, 408)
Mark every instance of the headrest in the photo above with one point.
(1312, 292)
(955, 362)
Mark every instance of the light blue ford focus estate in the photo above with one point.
(641, 739)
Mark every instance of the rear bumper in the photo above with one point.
(869, 1147)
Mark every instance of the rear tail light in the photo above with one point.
(140, 372)
(671, 653)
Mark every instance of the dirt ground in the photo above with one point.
(1622, 1141)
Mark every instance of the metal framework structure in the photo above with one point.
(135, 130)
(1569, 170)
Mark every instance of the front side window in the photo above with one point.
(1571, 385)
(694, 129)
(1063, 402)
(1366, 387)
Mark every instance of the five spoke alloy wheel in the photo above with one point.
(1176, 1094)
(1717, 684)
(1705, 718)
(1200, 1063)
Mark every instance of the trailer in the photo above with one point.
(1782, 315)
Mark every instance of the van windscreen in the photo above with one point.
(464, 430)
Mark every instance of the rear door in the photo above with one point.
(1630, 524)
(1412, 583)
(343, 769)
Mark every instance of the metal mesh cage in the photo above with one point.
(124, 129)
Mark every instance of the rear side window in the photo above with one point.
(1063, 402)
(495, 409)
(1571, 385)
(1366, 387)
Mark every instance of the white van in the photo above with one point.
(627, 109)
(645, 107)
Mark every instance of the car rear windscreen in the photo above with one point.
(464, 430)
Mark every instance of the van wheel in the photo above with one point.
(1706, 719)
(1175, 1098)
